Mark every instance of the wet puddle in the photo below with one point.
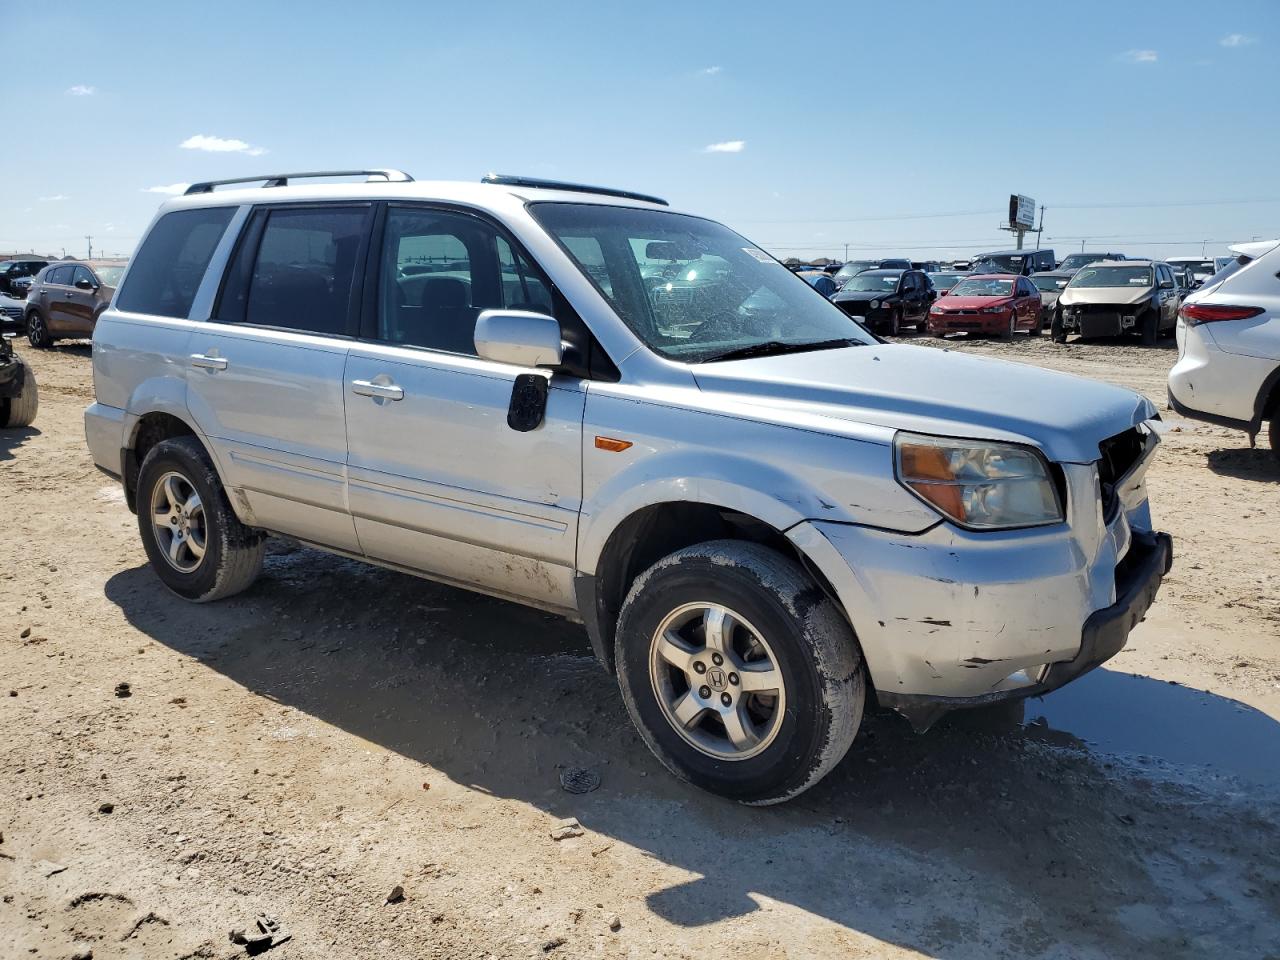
(1133, 715)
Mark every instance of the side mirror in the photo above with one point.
(83, 284)
(1166, 284)
(519, 337)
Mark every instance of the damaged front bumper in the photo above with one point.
(949, 618)
(1104, 635)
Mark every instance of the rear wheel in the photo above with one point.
(196, 544)
(20, 411)
(738, 671)
(38, 330)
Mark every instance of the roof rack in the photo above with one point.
(282, 179)
(510, 181)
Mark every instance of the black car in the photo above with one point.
(1025, 262)
(18, 397)
(11, 270)
(887, 300)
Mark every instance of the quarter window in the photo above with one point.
(168, 268)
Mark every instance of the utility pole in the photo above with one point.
(846, 253)
(1040, 229)
(90, 239)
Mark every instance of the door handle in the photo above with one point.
(383, 391)
(208, 363)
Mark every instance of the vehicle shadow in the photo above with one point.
(73, 348)
(11, 439)
(1016, 826)
(1258, 463)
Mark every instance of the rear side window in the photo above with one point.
(168, 268)
(59, 275)
(305, 269)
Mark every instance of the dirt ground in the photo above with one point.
(338, 730)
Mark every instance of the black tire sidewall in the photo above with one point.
(786, 765)
(41, 342)
(186, 457)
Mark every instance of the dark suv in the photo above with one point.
(67, 299)
(11, 270)
(1024, 262)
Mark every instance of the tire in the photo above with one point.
(788, 737)
(1151, 328)
(20, 411)
(38, 331)
(895, 324)
(1273, 433)
(1013, 327)
(232, 552)
(1037, 328)
(1056, 330)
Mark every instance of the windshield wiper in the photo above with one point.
(773, 348)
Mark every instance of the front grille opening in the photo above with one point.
(1119, 454)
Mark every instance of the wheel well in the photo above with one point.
(151, 429)
(650, 534)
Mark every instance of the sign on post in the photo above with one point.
(1022, 212)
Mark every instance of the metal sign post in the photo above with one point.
(1022, 216)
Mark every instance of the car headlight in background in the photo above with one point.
(936, 311)
(993, 309)
(976, 483)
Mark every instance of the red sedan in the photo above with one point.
(987, 303)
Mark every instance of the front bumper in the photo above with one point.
(1104, 635)
(968, 323)
(948, 618)
(1103, 319)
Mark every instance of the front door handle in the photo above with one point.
(208, 363)
(383, 391)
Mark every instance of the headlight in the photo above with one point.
(936, 310)
(976, 483)
(993, 309)
(875, 304)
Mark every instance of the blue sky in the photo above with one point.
(848, 123)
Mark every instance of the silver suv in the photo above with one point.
(579, 399)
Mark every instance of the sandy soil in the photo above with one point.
(340, 730)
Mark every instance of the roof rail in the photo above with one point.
(282, 179)
(510, 181)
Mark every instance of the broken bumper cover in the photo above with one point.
(1104, 635)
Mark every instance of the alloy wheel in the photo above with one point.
(717, 681)
(178, 521)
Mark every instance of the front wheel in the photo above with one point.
(1273, 430)
(1056, 329)
(196, 544)
(1151, 328)
(20, 411)
(738, 671)
(38, 331)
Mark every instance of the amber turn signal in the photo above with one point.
(612, 445)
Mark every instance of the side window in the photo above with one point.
(522, 285)
(439, 270)
(56, 274)
(82, 273)
(305, 268)
(168, 267)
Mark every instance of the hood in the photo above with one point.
(1120, 296)
(929, 390)
(971, 303)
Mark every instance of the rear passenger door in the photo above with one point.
(265, 380)
(438, 482)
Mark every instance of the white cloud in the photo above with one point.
(728, 146)
(51, 199)
(710, 71)
(1237, 40)
(220, 145)
(81, 90)
(170, 189)
(1139, 56)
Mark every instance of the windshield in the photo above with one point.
(872, 283)
(977, 287)
(1077, 260)
(945, 280)
(853, 267)
(1049, 284)
(1112, 277)
(109, 276)
(692, 289)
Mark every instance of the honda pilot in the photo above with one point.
(580, 399)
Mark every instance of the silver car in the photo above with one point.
(579, 399)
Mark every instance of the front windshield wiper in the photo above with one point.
(773, 348)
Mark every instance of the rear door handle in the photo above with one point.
(208, 363)
(384, 391)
